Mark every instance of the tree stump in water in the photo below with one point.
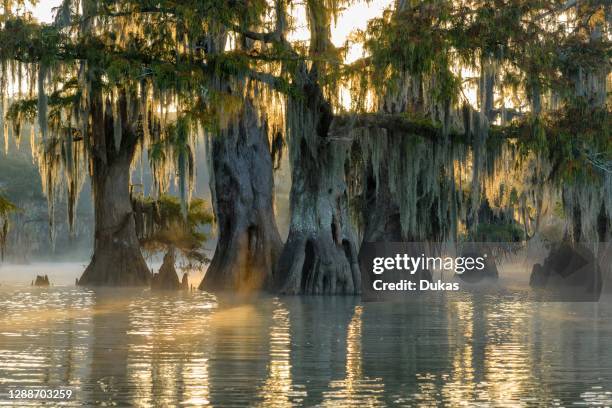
(41, 281)
(185, 282)
(568, 266)
(570, 273)
(167, 277)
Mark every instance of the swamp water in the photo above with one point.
(141, 348)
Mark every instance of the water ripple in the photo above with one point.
(141, 348)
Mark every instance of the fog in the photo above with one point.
(65, 273)
(30, 250)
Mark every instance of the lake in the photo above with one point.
(141, 348)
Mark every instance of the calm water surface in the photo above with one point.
(138, 348)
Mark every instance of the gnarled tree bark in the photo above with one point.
(320, 255)
(242, 181)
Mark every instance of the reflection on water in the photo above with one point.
(135, 347)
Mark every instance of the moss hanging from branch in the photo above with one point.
(42, 100)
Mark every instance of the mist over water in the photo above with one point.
(141, 348)
(60, 273)
(63, 274)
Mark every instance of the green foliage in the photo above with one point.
(20, 180)
(22, 110)
(6, 207)
(25, 110)
(410, 47)
(502, 232)
(26, 41)
(157, 155)
(415, 40)
(172, 229)
(160, 54)
(576, 139)
(433, 39)
(177, 141)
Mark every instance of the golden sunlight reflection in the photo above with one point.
(142, 348)
(43, 309)
(458, 386)
(507, 359)
(161, 337)
(277, 388)
(348, 392)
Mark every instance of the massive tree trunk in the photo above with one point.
(117, 260)
(242, 182)
(320, 255)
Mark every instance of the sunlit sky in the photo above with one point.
(358, 13)
(352, 18)
(43, 10)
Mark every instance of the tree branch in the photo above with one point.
(344, 124)
(270, 37)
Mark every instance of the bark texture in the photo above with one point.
(249, 243)
(320, 255)
(117, 260)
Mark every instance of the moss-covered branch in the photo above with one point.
(342, 125)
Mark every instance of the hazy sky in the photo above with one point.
(42, 11)
(354, 17)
